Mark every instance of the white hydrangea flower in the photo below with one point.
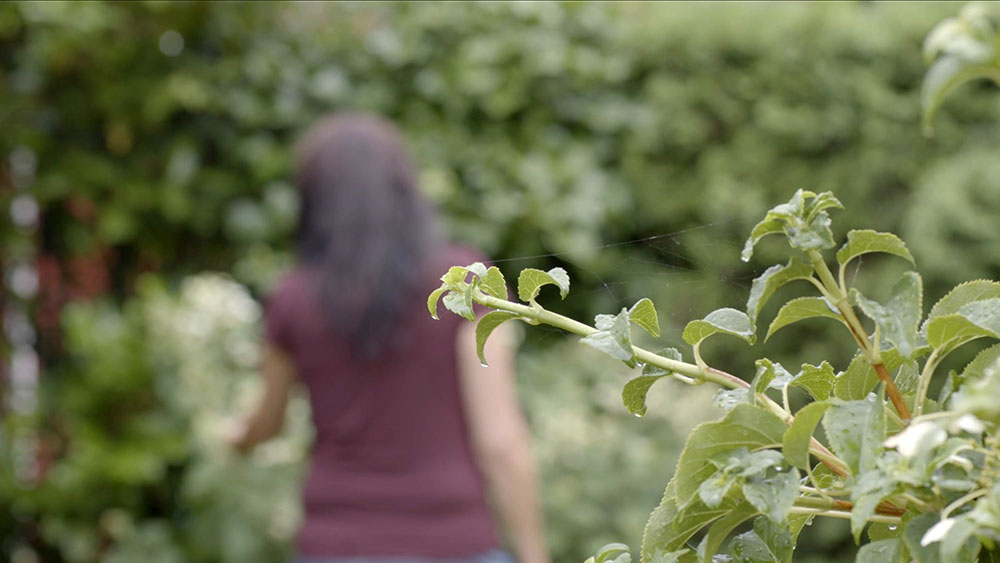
(916, 438)
(969, 423)
(937, 532)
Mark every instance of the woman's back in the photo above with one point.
(392, 472)
(410, 429)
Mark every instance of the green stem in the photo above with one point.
(840, 301)
(843, 507)
(925, 382)
(958, 503)
(885, 519)
(838, 295)
(842, 278)
(691, 373)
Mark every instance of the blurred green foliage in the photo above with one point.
(136, 464)
(540, 129)
(599, 494)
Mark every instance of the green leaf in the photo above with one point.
(612, 551)
(531, 281)
(715, 489)
(766, 284)
(907, 378)
(768, 542)
(432, 301)
(881, 531)
(801, 309)
(763, 376)
(795, 442)
(962, 295)
(866, 241)
(680, 556)
(798, 521)
(882, 551)
(494, 284)
(725, 321)
(979, 319)
(795, 207)
(960, 539)
(720, 530)
(976, 369)
(860, 377)
(668, 529)
(825, 478)
(844, 424)
(460, 303)
(773, 496)
(659, 535)
(899, 317)
(869, 490)
(816, 380)
(857, 380)
(872, 434)
(734, 468)
(455, 276)
(477, 269)
(751, 464)
(821, 202)
(812, 235)
(643, 313)
(769, 226)
(914, 532)
(696, 515)
(671, 353)
(486, 326)
(635, 391)
(946, 74)
(744, 426)
(726, 399)
(807, 226)
(612, 337)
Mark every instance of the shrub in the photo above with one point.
(920, 474)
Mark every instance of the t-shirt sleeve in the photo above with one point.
(277, 316)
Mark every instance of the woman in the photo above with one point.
(410, 429)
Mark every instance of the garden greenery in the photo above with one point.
(579, 122)
(962, 49)
(138, 466)
(918, 472)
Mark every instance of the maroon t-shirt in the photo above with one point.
(391, 471)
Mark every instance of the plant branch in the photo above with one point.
(884, 509)
(539, 314)
(859, 332)
(958, 503)
(690, 373)
(925, 381)
(885, 519)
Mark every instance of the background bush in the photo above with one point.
(135, 419)
(545, 131)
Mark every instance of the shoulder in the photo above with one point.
(290, 283)
(286, 305)
(292, 287)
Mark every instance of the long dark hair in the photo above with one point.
(365, 232)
